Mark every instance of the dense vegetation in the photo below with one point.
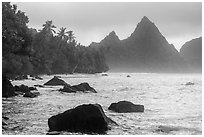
(27, 51)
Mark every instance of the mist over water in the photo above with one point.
(166, 98)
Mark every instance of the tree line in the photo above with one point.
(28, 51)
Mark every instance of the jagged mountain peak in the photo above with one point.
(112, 33)
(145, 25)
(145, 19)
(147, 31)
(111, 37)
(146, 22)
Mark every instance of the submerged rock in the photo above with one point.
(87, 118)
(189, 83)
(36, 77)
(21, 77)
(167, 129)
(4, 117)
(41, 86)
(53, 133)
(126, 107)
(104, 74)
(32, 88)
(83, 87)
(7, 88)
(56, 82)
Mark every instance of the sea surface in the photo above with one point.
(167, 100)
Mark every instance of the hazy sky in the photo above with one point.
(178, 22)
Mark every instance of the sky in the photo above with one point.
(178, 22)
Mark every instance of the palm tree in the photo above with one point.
(62, 34)
(48, 27)
(71, 36)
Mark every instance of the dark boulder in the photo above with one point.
(31, 94)
(87, 118)
(83, 87)
(126, 107)
(19, 90)
(22, 88)
(56, 82)
(7, 88)
(128, 76)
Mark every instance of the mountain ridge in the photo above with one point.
(145, 50)
(191, 52)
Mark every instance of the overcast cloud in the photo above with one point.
(178, 22)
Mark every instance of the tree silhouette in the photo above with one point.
(48, 27)
(71, 36)
(62, 34)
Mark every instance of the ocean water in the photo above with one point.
(167, 100)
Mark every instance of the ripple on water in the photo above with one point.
(167, 103)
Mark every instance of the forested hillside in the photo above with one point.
(28, 51)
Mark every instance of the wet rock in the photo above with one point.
(21, 77)
(189, 83)
(56, 82)
(83, 87)
(7, 88)
(19, 90)
(126, 107)
(87, 118)
(128, 76)
(22, 88)
(31, 94)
